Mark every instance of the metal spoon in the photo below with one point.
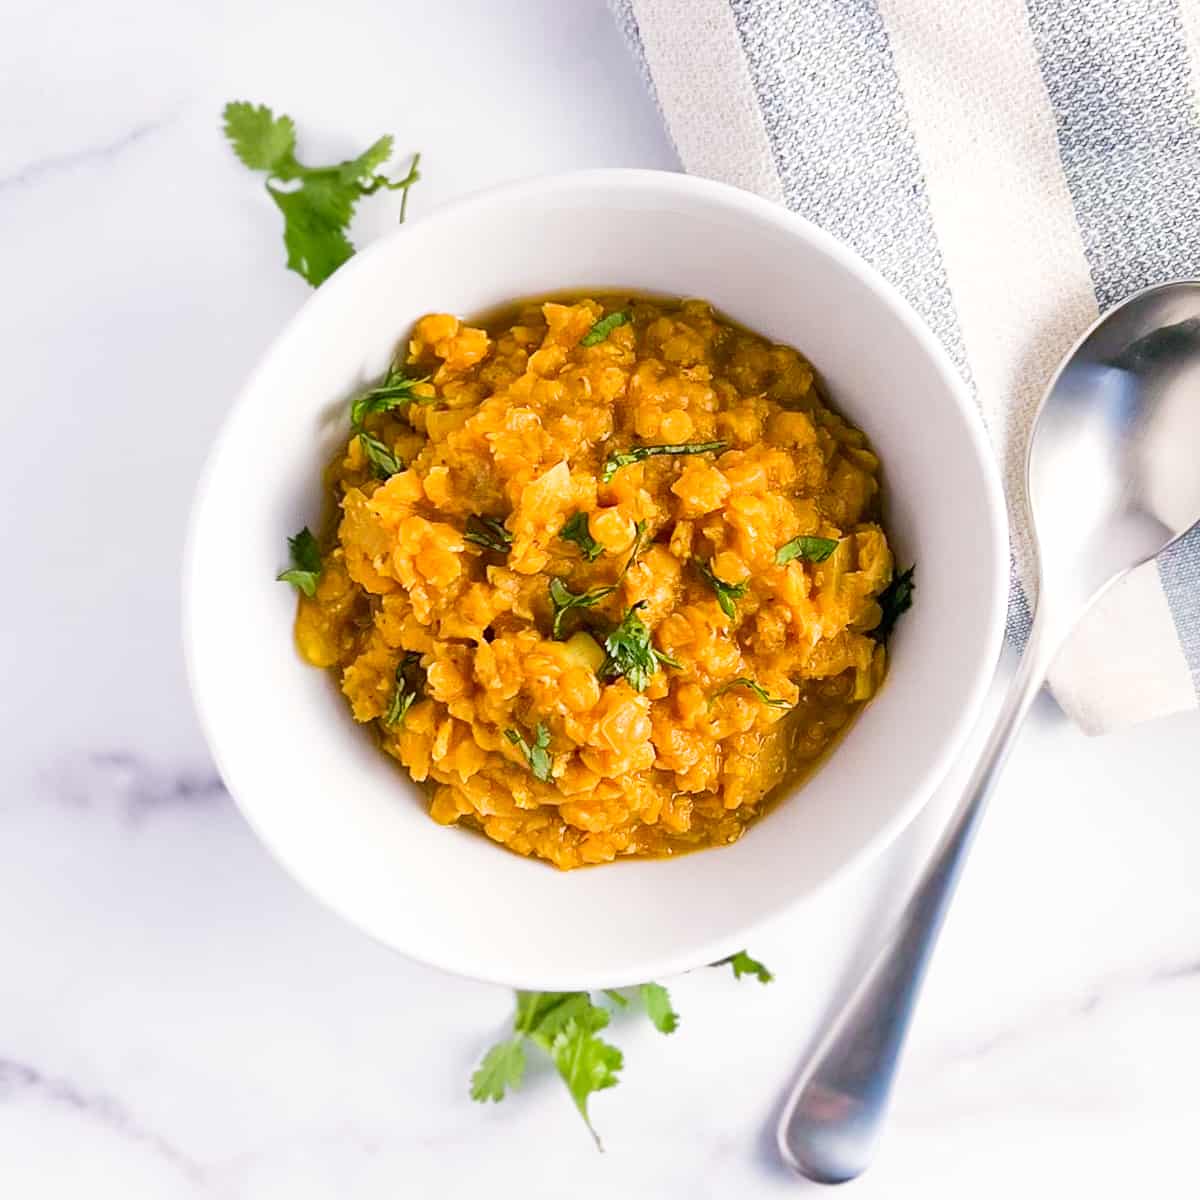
(1110, 480)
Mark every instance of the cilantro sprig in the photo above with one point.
(727, 593)
(629, 652)
(306, 563)
(565, 1026)
(894, 600)
(603, 327)
(623, 458)
(537, 755)
(811, 549)
(576, 530)
(317, 202)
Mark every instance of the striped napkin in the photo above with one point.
(1014, 167)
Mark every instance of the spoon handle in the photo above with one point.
(831, 1121)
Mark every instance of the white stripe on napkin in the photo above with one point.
(722, 140)
(1014, 259)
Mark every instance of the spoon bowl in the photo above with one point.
(1111, 460)
(1110, 481)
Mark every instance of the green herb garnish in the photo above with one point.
(727, 593)
(623, 458)
(488, 533)
(395, 391)
(657, 1000)
(760, 691)
(811, 549)
(576, 530)
(565, 1026)
(409, 685)
(564, 600)
(743, 964)
(537, 755)
(630, 653)
(603, 328)
(894, 600)
(639, 536)
(306, 563)
(384, 462)
(317, 202)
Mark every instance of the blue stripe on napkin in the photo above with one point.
(843, 148)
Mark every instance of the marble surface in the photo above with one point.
(177, 1019)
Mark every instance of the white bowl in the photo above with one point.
(339, 815)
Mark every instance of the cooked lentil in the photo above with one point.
(511, 438)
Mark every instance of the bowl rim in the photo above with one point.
(620, 180)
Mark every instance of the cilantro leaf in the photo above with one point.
(603, 327)
(306, 563)
(657, 1000)
(395, 391)
(576, 530)
(409, 686)
(629, 652)
(586, 1063)
(894, 600)
(563, 600)
(811, 549)
(727, 593)
(261, 140)
(622, 458)
(488, 533)
(760, 691)
(384, 462)
(502, 1069)
(315, 217)
(538, 755)
(743, 964)
(317, 202)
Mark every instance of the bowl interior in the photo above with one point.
(346, 821)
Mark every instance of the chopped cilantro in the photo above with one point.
(384, 462)
(409, 685)
(488, 533)
(306, 563)
(629, 652)
(760, 691)
(894, 600)
(622, 458)
(576, 530)
(603, 327)
(563, 600)
(395, 391)
(727, 593)
(811, 549)
(537, 755)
